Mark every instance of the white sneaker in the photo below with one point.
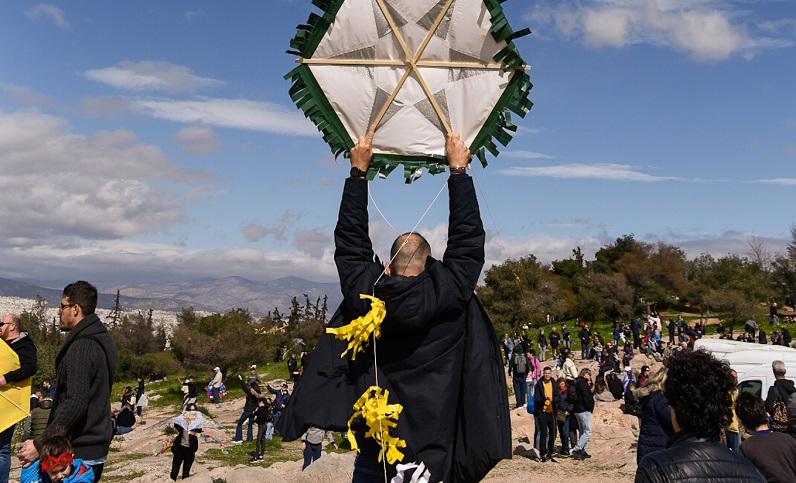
(237, 442)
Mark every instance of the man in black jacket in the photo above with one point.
(437, 354)
(85, 368)
(585, 342)
(697, 388)
(10, 331)
(584, 406)
(782, 389)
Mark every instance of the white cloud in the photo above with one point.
(50, 12)
(198, 138)
(524, 155)
(150, 75)
(143, 262)
(613, 172)
(779, 181)
(192, 14)
(230, 113)
(25, 95)
(111, 107)
(254, 232)
(314, 242)
(138, 262)
(62, 186)
(706, 31)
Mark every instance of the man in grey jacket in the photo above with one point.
(85, 368)
(311, 444)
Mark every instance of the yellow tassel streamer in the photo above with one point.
(358, 331)
(379, 418)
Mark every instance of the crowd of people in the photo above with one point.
(691, 415)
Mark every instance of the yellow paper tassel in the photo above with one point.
(358, 331)
(379, 418)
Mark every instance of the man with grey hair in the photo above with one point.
(780, 391)
(583, 407)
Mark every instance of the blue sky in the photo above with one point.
(149, 140)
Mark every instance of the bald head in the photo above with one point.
(408, 254)
(11, 326)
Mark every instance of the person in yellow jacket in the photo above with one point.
(732, 432)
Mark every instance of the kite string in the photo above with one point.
(491, 217)
(414, 228)
(376, 205)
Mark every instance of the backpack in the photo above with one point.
(520, 364)
(784, 415)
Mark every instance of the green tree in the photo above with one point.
(507, 287)
(227, 340)
(570, 268)
(47, 336)
(603, 295)
(654, 271)
(606, 258)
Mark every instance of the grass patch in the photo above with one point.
(122, 457)
(124, 477)
(168, 393)
(239, 454)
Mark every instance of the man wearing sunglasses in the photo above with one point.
(10, 331)
(85, 368)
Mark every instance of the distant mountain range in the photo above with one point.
(213, 295)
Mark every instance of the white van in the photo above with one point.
(722, 347)
(760, 378)
(752, 361)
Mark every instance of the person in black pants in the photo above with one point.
(546, 398)
(184, 449)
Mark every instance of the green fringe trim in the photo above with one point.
(309, 35)
(498, 125)
(309, 97)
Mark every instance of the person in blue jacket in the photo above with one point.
(57, 463)
(656, 427)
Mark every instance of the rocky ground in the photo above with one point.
(612, 445)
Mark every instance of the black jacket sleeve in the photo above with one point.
(356, 263)
(28, 359)
(464, 254)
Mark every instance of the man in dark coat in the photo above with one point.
(583, 407)
(635, 327)
(85, 367)
(438, 355)
(584, 334)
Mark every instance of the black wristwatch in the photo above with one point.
(357, 173)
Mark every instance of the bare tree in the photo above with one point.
(792, 244)
(758, 253)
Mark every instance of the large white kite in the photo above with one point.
(418, 69)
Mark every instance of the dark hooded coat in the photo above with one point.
(438, 355)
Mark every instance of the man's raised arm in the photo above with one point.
(353, 253)
(464, 255)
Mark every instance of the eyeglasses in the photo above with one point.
(63, 306)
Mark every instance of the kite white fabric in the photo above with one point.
(418, 69)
